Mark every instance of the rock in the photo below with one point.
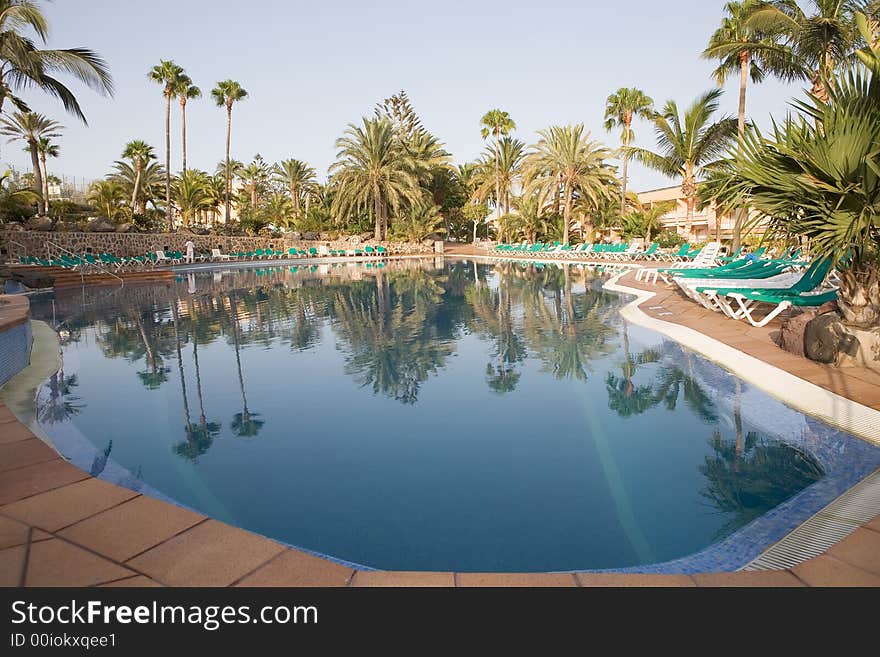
(310, 237)
(14, 226)
(198, 230)
(101, 226)
(294, 235)
(127, 228)
(826, 339)
(39, 223)
(791, 337)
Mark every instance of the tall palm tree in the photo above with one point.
(150, 189)
(688, 143)
(621, 108)
(185, 91)
(141, 154)
(226, 94)
(46, 149)
(741, 48)
(23, 65)
(566, 159)
(373, 173)
(497, 123)
(819, 40)
(299, 178)
(501, 165)
(30, 128)
(168, 75)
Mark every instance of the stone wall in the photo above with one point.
(35, 243)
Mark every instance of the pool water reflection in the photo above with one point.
(428, 416)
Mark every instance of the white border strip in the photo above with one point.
(806, 397)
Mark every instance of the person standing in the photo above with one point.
(190, 252)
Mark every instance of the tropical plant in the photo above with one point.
(621, 108)
(373, 173)
(567, 164)
(299, 178)
(146, 187)
(642, 223)
(15, 201)
(687, 143)
(107, 196)
(185, 91)
(422, 220)
(24, 65)
(817, 176)
(141, 154)
(498, 170)
(31, 128)
(819, 41)
(226, 94)
(190, 195)
(168, 75)
(497, 123)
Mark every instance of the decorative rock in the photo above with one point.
(826, 339)
(791, 338)
(198, 230)
(39, 223)
(310, 236)
(127, 228)
(101, 226)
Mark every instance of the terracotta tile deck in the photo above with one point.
(60, 527)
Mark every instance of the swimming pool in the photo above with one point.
(434, 415)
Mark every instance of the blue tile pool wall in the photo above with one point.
(15, 350)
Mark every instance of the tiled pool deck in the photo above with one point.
(61, 527)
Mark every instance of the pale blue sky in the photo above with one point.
(313, 67)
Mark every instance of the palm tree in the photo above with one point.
(642, 223)
(23, 65)
(740, 48)
(497, 123)
(498, 171)
(150, 183)
(299, 178)
(46, 149)
(140, 153)
(373, 173)
(107, 196)
(253, 176)
(688, 143)
(819, 42)
(244, 424)
(168, 75)
(226, 94)
(621, 108)
(30, 128)
(185, 91)
(190, 195)
(566, 159)
(421, 221)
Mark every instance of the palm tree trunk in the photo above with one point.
(294, 195)
(377, 210)
(625, 181)
(168, 214)
(744, 60)
(183, 136)
(228, 176)
(134, 193)
(38, 172)
(246, 412)
(45, 184)
(202, 417)
(691, 203)
(176, 317)
(567, 215)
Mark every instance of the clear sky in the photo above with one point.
(313, 67)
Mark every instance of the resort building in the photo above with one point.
(707, 222)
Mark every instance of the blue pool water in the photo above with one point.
(433, 415)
